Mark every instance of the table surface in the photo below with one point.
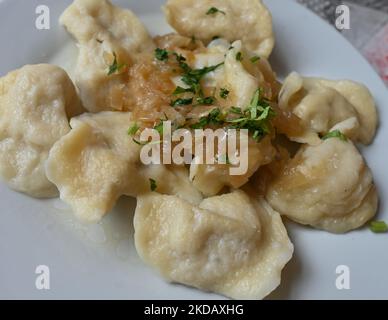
(368, 27)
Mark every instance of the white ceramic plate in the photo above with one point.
(100, 261)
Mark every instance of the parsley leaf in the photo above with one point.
(239, 56)
(335, 134)
(214, 117)
(206, 101)
(181, 102)
(180, 90)
(378, 226)
(133, 129)
(224, 93)
(153, 184)
(255, 59)
(214, 10)
(255, 118)
(115, 66)
(159, 127)
(161, 54)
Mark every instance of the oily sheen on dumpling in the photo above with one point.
(35, 104)
(321, 104)
(227, 244)
(246, 20)
(327, 186)
(103, 30)
(97, 162)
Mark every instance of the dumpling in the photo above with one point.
(210, 179)
(105, 34)
(35, 104)
(97, 162)
(321, 104)
(246, 20)
(227, 244)
(327, 186)
(239, 76)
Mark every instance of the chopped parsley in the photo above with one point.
(161, 54)
(214, 10)
(335, 134)
(115, 66)
(214, 117)
(180, 90)
(181, 102)
(133, 129)
(159, 127)
(224, 93)
(255, 59)
(236, 110)
(208, 101)
(378, 226)
(153, 185)
(239, 56)
(255, 118)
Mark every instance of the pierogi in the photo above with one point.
(227, 244)
(36, 102)
(199, 221)
(246, 20)
(322, 104)
(327, 186)
(107, 36)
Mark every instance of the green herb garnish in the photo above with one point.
(161, 54)
(224, 93)
(159, 127)
(255, 59)
(239, 56)
(180, 90)
(153, 184)
(214, 117)
(208, 101)
(378, 226)
(335, 134)
(256, 118)
(214, 10)
(115, 66)
(181, 102)
(133, 129)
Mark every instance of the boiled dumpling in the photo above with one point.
(327, 186)
(321, 104)
(210, 179)
(106, 34)
(227, 244)
(238, 75)
(35, 104)
(97, 162)
(246, 20)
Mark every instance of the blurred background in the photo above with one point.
(368, 27)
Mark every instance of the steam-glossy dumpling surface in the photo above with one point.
(97, 162)
(322, 104)
(327, 186)
(227, 244)
(246, 20)
(102, 30)
(35, 104)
